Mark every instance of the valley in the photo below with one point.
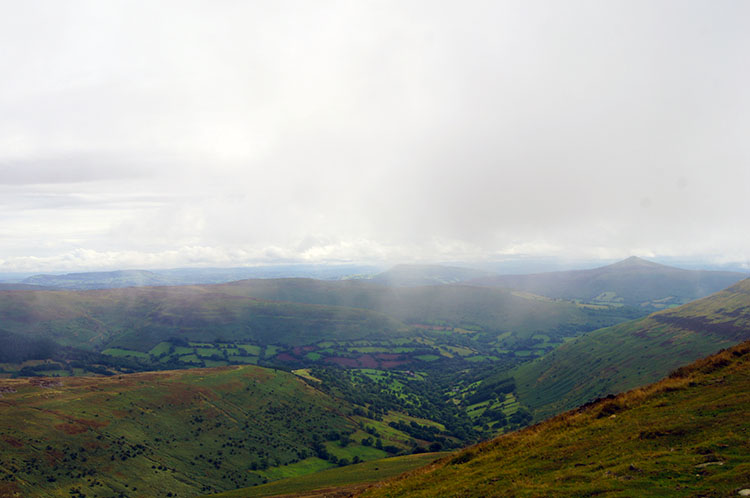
(374, 249)
(198, 389)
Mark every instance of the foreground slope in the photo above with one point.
(634, 281)
(687, 435)
(624, 356)
(183, 432)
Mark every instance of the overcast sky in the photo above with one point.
(163, 134)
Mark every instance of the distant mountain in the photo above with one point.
(100, 280)
(683, 436)
(417, 275)
(621, 357)
(187, 276)
(634, 282)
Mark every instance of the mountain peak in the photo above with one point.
(636, 262)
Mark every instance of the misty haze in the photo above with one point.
(374, 248)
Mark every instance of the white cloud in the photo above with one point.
(130, 131)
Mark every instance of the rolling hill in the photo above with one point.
(140, 318)
(623, 356)
(188, 276)
(684, 436)
(100, 280)
(494, 311)
(634, 282)
(177, 433)
(291, 312)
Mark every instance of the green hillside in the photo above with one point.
(621, 357)
(141, 318)
(688, 435)
(634, 282)
(184, 432)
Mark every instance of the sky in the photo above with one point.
(140, 134)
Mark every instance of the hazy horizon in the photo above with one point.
(188, 134)
(334, 271)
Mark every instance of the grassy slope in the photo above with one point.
(186, 431)
(338, 477)
(617, 358)
(688, 435)
(635, 281)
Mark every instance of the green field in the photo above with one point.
(124, 352)
(250, 349)
(339, 477)
(161, 348)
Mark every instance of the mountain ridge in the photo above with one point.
(633, 281)
(623, 356)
